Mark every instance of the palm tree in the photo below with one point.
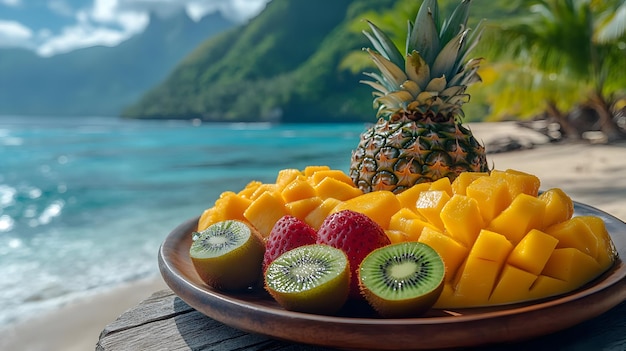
(560, 51)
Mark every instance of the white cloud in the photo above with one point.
(11, 3)
(236, 10)
(13, 33)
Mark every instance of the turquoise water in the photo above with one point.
(86, 202)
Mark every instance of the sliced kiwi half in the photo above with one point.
(312, 278)
(402, 280)
(228, 255)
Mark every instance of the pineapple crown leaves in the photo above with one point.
(432, 75)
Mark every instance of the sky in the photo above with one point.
(50, 27)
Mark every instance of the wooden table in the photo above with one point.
(165, 322)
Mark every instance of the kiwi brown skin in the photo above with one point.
(401, 308)
(235, 270)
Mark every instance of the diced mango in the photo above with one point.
(336, 174)
(298, 189)
(265, 211)
(232, 206)
(409, 197)
(396, 236)
(316, 217)
(340, 190)
(491, 246)
(408, 222)
(523, 214)
(429, 205)
(208, 217)
(377, 205)
(492, 195)
(545, 286)
(461, 219)
(264, 188)
(572, 266)
(285, 176)
(577, 234)
(464, 179)
(606, 249)
(451, 251)
(301, 208)
(519, 182)
(512, 286)
(249, 189)
(475, 280)
(533, 251)
(559, 207)
(309, 170)
(442, 184)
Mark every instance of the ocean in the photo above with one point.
(86, 202)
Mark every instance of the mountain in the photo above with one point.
(100, 80)
(282, 65)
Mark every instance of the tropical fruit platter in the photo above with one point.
(421, 222)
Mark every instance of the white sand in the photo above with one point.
(591, 174)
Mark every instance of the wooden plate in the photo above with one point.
(356, 327)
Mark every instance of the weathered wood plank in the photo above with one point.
(165, 322)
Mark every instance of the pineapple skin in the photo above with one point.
(398, 153)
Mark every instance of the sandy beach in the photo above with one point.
(590, 174)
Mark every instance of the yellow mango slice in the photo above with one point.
(460, 183)
(340, 190)
(265, 211)
(429, 205)
(492, 195)
(316, 217)
(545, 286)
(451, 251)
(519, 182)
(523, 214)
(298, 189)
(475, 280)
(577, 234)
(232, 206)
(309, 170)
(491, 246)
(408, 222)
(285, 176)
(396, 236)
(559, 207)
(409, 197)
(336, 174)
(262, 189)
(533, 251)
(461, 218)
(606, 249)
(249, 189)
(208, 217)
(377, 205)
(512, 286)
(572, 266)
(442, 184)
(301, 208)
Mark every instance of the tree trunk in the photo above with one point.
(608, 126)
(566, 128)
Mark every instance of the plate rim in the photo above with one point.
(609, 289)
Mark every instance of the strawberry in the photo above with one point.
(355, 234)
(288, 233)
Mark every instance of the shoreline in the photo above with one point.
(588, 173)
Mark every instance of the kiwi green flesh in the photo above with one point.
(402, 279)
(311, 278)
(228, 255)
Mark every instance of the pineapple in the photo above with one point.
(419, 136)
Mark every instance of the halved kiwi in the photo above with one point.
(228, 255)
(312, 278)
(402, 280)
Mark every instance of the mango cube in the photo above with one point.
(377, 205)
(408, 222)
(533, 251)
(512, 286)
(475, 280)
(606, 249)
(545, 286)
(309, 170)
(442, 184)
(460, 183)
(577, 234)
(429, 205)
(249, 189)
(285, 176)
(298, 189)
(396, 236)
(572, 266)
(335, 174)
(340, 190)
(301, 208)
(232, 206)
(451, 251)
(461, 219)
(523, 214)
(519, 182)
(316, 217)
(559, 207)
(492, 195)
(409, 197)
(265, 211)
